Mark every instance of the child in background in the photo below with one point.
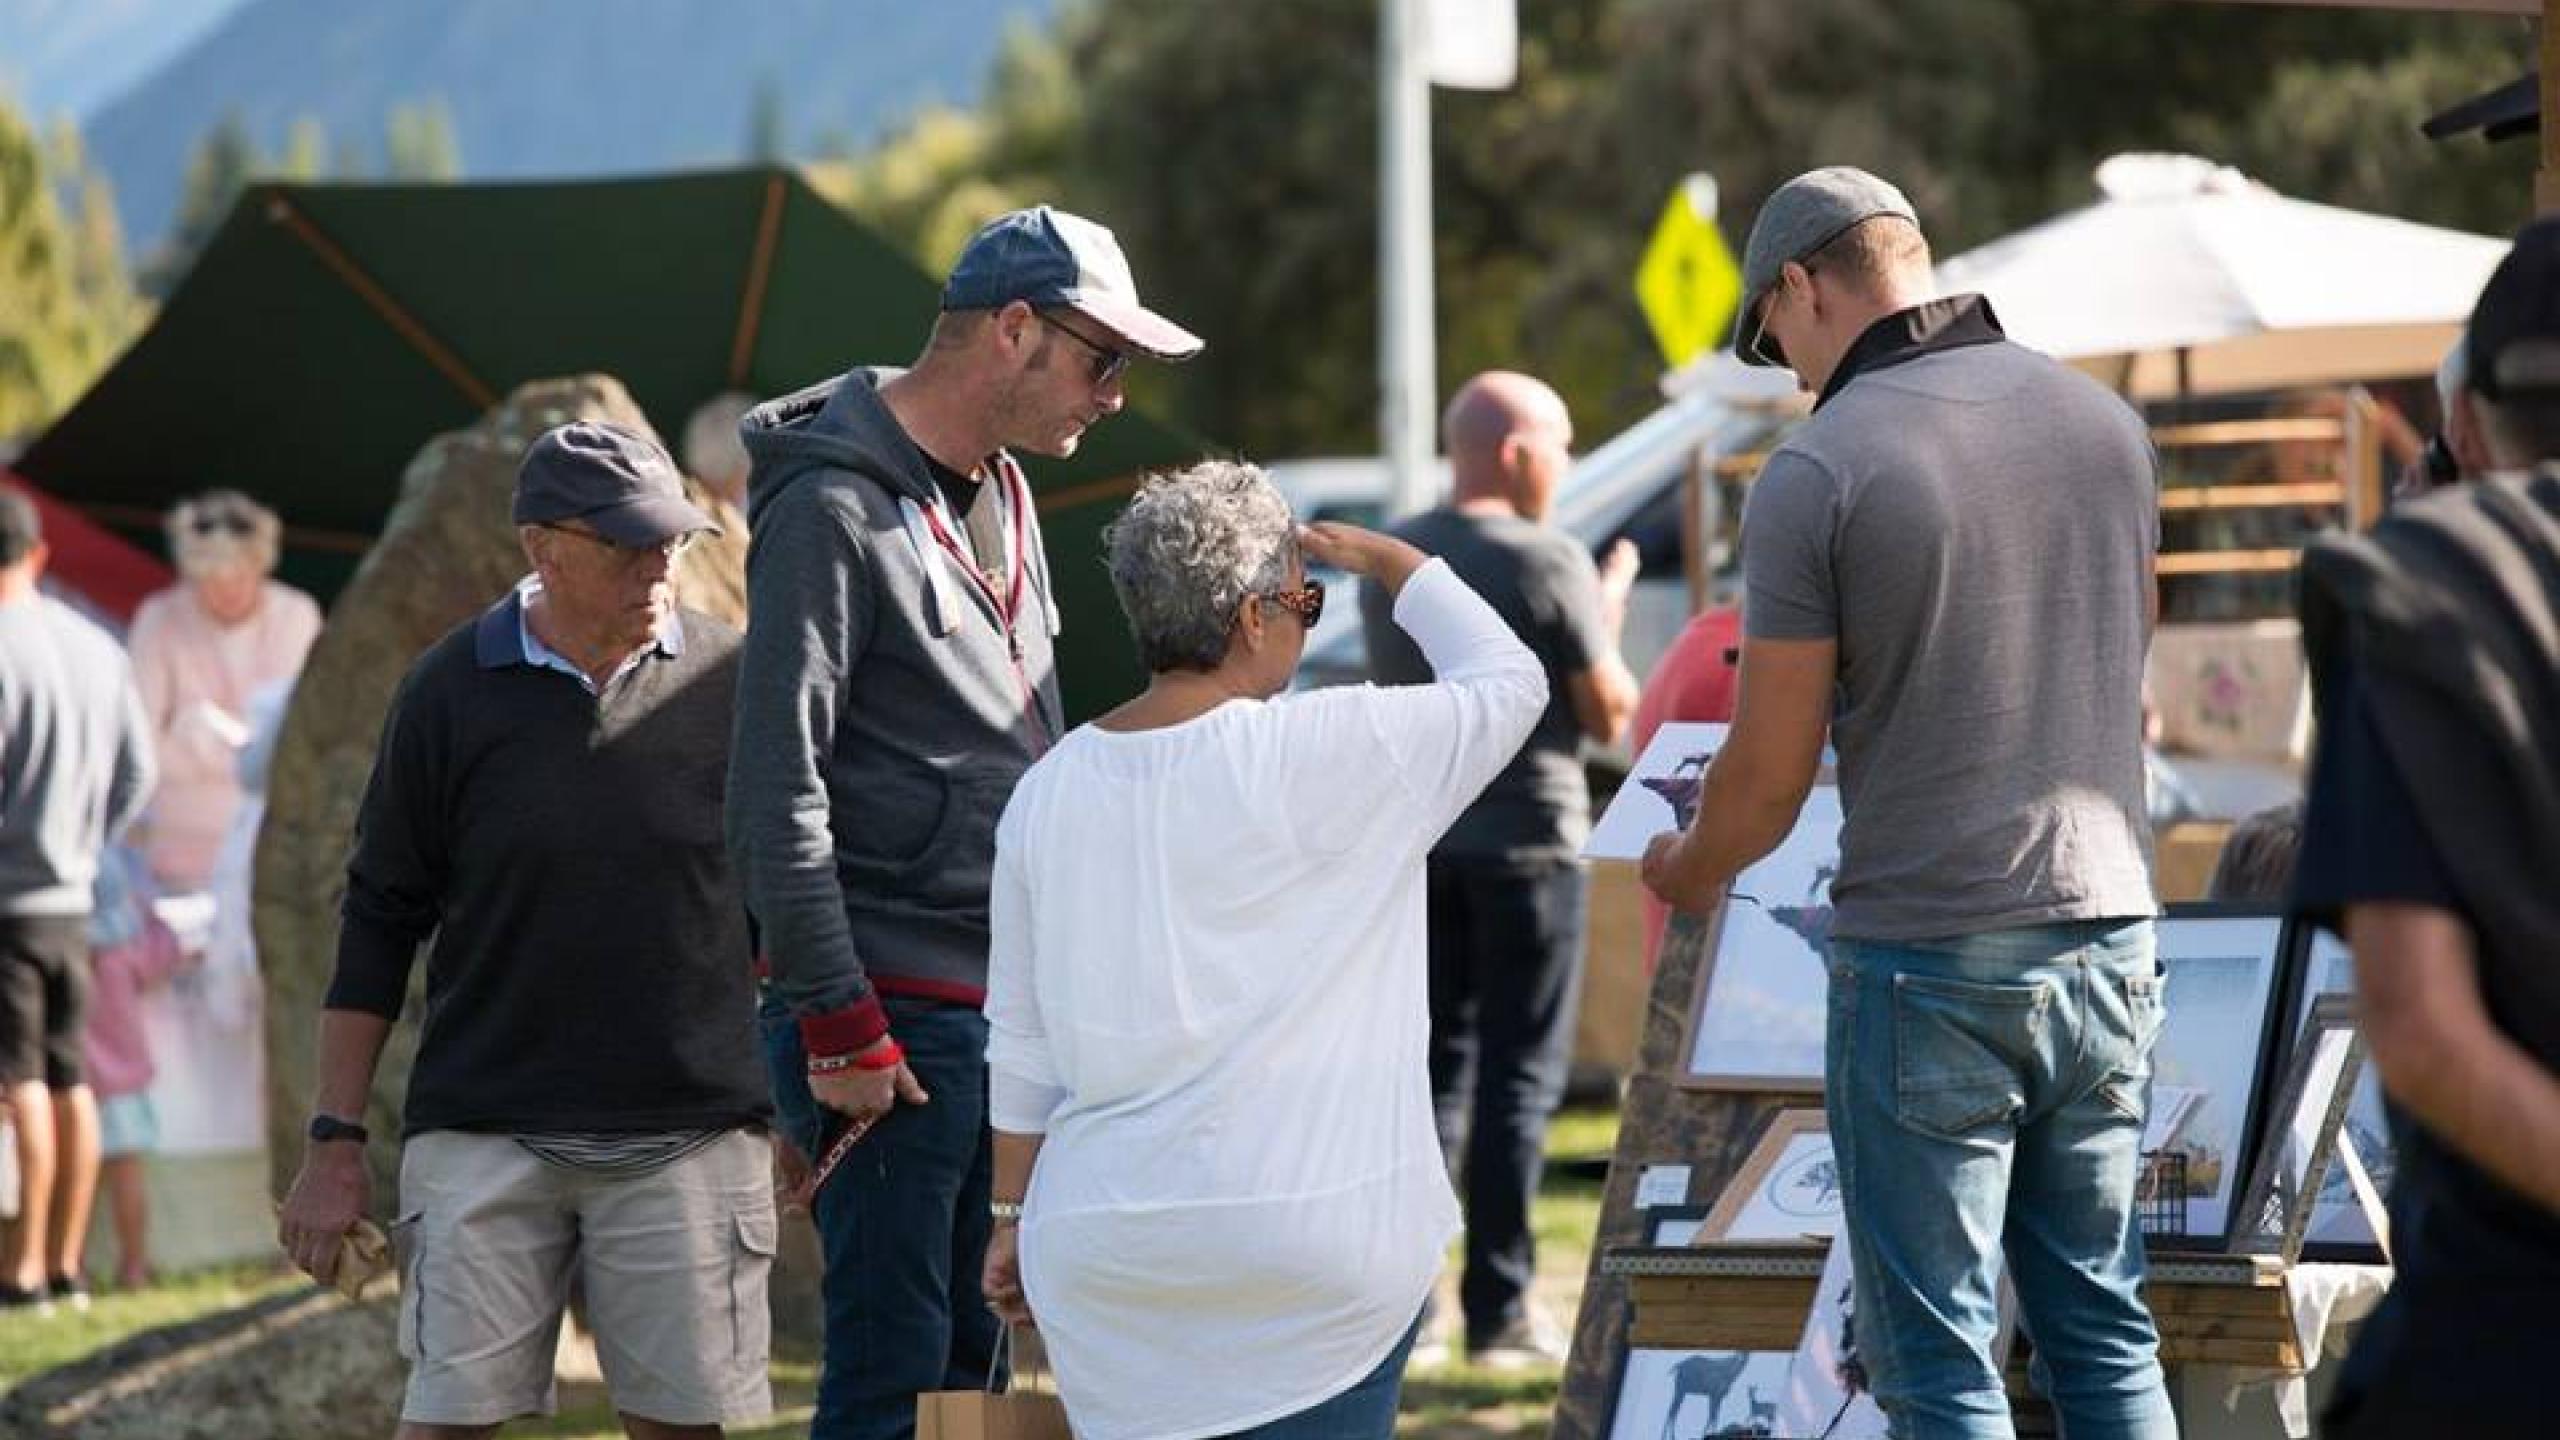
(131, 951)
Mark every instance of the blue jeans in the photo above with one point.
(1986, 1096)
(1366, 1411)
(902, 1223)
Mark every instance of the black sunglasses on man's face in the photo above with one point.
(1108, 364)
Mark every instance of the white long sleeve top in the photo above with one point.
(1207, 991)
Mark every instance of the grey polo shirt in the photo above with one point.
(1971, 521)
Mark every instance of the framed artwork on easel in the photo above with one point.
(1697, 1393)
(1757, 1016)
(2299, 1148)
(2209, 1069)
(1786, 1191)
(2339, 1228)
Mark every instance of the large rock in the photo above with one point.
(446, 552)
(300, 1366)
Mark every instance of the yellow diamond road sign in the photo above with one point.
(1688, 282)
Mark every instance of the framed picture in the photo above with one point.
(1690, 1394)
(1757, 1019)
(2209, 1069)
(2339, 1228)
(1787, 1189)
(1827, 1379)
(1672, 1228)
(2301, 1137)
(1660, 792)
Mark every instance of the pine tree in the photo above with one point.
(56, 287)
(418, 143)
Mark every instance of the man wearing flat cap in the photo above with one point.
(588, 1101)
(2429, 829)
(1948, 570)
(898, 680)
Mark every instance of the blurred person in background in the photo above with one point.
(75, 769)
(2427, 843)
(714, 455)
(132, 951)
(1509, 895)
(201, 649)
(1206, 991)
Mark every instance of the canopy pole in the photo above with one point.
(759, 271)
(281, 211)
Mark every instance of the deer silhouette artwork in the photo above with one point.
(1710, 1375)
(1764, 1414)
(1681, 785)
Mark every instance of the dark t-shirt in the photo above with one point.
(1544, 586)
(2476, 1262)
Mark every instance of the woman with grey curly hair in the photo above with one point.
(201, 649)
(1217, 1182)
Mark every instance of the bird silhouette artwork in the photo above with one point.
(1810, 920)
(1710, 1375)
(1681, 785)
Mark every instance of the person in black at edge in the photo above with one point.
(2432, 827)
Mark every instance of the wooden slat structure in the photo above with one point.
(2211, 1310)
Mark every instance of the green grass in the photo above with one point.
(1451, 1402)
(30, 1345)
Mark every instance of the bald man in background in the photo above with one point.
(1507, 888)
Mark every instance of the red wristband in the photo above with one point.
(886, 1055)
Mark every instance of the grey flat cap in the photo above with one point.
(1800, 217)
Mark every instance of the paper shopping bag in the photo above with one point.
(978, 1415)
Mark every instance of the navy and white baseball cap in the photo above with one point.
(622, 483)
(1048, 258)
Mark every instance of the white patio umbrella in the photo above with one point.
(2189, 277)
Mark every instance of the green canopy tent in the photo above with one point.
(328, 331)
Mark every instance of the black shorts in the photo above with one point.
(44, 998)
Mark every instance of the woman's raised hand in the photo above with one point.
(1382, 558)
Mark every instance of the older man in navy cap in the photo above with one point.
(588, 1101)
(1948, 568)
(899, 678)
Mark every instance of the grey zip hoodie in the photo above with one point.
(886, 706)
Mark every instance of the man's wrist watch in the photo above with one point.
(330, 1127)
(1004, 1210)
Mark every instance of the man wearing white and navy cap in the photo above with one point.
(588, 1104)
(899, 678)
(1948, 569)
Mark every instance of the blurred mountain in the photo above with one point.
(69, 57)
(560, 87)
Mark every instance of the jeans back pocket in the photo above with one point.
(1961, 1052)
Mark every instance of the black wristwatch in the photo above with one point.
(330, 1127)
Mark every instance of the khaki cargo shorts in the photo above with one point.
(673, 1265)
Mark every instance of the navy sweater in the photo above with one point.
(591, 967)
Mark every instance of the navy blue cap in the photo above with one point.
(622, 483)
(1050, 259)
